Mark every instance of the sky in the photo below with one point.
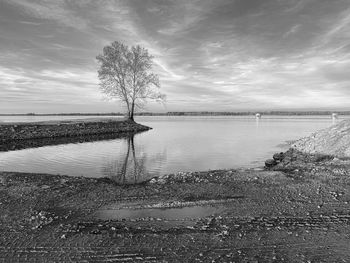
(210, 55)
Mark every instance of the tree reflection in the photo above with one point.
(133, 167)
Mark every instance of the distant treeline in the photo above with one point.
(193, 113)
(245, 113)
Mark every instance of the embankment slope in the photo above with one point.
(334, 140)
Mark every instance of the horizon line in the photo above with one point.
(247, 112)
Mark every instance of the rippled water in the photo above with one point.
(174, 144)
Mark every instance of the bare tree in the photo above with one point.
(126, 73)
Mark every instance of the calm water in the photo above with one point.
(168, 213)
(175, 144)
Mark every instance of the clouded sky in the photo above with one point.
(210, 55)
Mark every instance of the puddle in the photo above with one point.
(180, 213)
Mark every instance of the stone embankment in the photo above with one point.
(10, 132)
(334, 140)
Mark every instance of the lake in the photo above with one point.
(174, 144)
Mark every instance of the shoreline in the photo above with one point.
(304, 198)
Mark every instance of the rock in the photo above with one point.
(63, 181)
(278, 156)
(153, 181)
(270, 163)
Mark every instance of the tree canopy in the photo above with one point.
(126, 73)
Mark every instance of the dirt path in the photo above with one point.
(297, 212)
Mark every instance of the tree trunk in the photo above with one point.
(131, 116)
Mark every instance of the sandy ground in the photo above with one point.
(298, 211)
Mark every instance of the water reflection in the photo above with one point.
(134, 166)
(257, 120)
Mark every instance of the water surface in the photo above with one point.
(174, 144)
(181, 213)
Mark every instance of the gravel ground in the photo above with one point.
(334, 140)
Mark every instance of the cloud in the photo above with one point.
(50, 10)
(340, 26)
(184, 15)
(292, 31)
(297, 6)
(30, 23)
